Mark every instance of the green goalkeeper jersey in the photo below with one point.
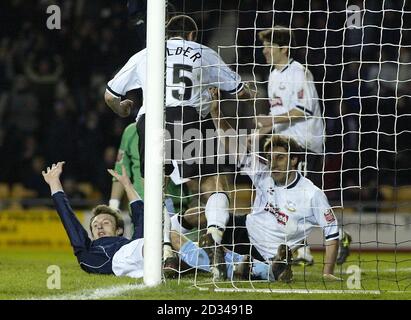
(128, 155)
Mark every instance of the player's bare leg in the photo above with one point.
(212, 191)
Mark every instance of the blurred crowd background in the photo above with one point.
(52, 85)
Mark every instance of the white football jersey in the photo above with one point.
(191, 70)
(284, 214)
(293, 87)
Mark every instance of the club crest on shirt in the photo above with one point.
(300, 94)
(282, 86)
(329, 216)
(290, 206)
(270, 191)
(281, 217)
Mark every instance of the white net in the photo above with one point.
(341, 64)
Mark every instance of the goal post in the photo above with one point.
(154, 142)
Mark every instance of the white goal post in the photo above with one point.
(154, 141)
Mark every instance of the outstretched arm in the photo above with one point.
(77, 234)
(132, 194)
(225, 130)
(136, 204)
(52, 177)
(266, 122)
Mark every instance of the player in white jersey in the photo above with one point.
(191, 69)
(295, 111)
(294, 104)
(287, 205)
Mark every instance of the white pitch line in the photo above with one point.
(390, 270)
(99, 293)
(302, 291)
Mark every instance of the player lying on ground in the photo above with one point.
(108, 252)
(287, 206)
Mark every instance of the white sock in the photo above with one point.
(216, 233)
(176, 226)
(167, 251)
(217, 215)
(304, 251)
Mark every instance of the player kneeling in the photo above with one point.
(235, 266)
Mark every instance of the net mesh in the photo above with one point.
(359, 56)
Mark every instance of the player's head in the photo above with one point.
(277, 42)
(106, 222)
(182, 26)
(283, 154)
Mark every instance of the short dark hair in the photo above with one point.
(280, 35)
(288, 143)
(103, 209)
(181, 26)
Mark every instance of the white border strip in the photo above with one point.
(99, 293)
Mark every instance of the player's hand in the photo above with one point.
(214, 93)
(53, 173)
(123, 178)
(331, 277)
(125, 108)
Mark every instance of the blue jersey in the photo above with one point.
(95, 256)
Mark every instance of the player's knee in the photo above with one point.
(175, 240)
(193, 218)
(212, 185)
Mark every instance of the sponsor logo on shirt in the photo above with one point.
(281, 217)
(329, 216)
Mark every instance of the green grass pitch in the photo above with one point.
(23, 275)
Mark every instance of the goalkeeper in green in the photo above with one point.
(128, 156)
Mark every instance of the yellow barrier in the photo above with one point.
(33, 229)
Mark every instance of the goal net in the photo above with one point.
(343, 90)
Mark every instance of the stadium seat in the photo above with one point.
(4, 191)
(387, 192)
(400, 197)
(19, 192)
(87, 189)
(404, 193)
